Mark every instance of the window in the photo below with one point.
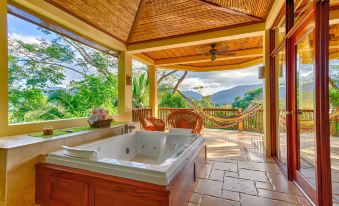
(52, 76)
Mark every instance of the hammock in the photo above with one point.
(227, 122)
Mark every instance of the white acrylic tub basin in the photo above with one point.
(154, 157)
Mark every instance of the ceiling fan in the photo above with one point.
(214, 52)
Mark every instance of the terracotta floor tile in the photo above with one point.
(248, 200)
(253, 175)
(230, 195)
(231, 174)
(239, 185)
(278, 196)
(196, 198)
(225, 166)
(206, 171)
(213, 201)
(263, 185)
(260, 166)
(217, 175)
(209, 187)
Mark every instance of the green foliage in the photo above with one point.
(173, 100)
(249, 96)
(140, 91)
(334, 97)
(36, 67)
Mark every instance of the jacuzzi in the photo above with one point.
(152, 157)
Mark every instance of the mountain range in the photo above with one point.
(226, 96)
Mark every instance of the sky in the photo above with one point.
(211, 82)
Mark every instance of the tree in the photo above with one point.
(249, 97)
(140, 90)
(34, 67)
(173, 100)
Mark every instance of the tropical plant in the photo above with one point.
(140, 90)
(249, 97)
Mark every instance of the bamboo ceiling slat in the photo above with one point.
(162, 18)
(222, 62)
(134, 21)
(258, 8)
(115, 17)
(233, 45)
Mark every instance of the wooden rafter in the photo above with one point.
(256, 52)
(136, 20)
(243, 65)
(229, 11)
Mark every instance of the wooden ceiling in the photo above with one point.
(132, 21)
(223, 62)
(232, 45)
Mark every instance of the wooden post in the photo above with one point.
(125, 86)
(153, 89)
(241, 126)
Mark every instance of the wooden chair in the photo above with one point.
(187, 120)
(151, 123)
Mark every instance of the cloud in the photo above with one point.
(213, 82)
(25, 38)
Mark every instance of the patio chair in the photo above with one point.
(151, 123)
(187, 120)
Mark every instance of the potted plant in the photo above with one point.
(99, 118)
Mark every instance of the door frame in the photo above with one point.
(319, 15)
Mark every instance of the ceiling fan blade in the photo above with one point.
(227, 54)
(224, 49)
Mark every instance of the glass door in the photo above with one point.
(303, 121)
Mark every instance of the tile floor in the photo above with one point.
(238, 174)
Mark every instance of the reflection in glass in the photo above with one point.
(280, 32)
(305, 107)
(300, 8)
(280, 65)
(334, 107)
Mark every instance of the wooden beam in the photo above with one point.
(143, 58)
(230, 11)
(258, 52)
(136, 20)
(199, 38)
(216, 68)
(274, 12)
(48, 11)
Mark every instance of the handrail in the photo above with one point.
(254, 123)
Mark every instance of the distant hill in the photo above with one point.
(192, 94)
(227, 96)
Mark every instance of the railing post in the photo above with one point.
(241, 126)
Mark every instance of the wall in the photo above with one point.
(17, 164)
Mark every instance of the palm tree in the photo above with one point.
(140, 90)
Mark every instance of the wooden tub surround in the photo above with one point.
(65, 186)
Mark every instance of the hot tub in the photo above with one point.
(140, 168)
(153, 157)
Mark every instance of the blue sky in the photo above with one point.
(211, 81)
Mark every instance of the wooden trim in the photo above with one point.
(323, 174)
(273, 123)
(245, 53)
(196, 32)
(84, 20)
(229, 11)
(306, 20)
(136, 20)
(280, 16)
(21, 13)
(278, 48)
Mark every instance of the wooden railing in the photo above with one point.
(253, 123)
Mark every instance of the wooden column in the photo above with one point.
(3, 68)
(125, 86)
(153, 89)
(323, 182)
(267, 94)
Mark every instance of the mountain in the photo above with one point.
(227, 96)
(192, 94)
